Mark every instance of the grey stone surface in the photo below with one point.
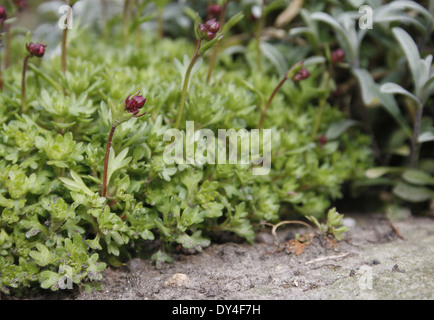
(373, 262)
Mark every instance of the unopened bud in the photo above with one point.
(301, 75)
(36, 49)
(338, 55)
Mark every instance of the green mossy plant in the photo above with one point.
(55, 222)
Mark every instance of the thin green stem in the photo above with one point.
(258, 38)
(160, 22)
(185, 84)
(125, 20)
(106, 161)
(65, 41)
(267, 106)
(104, 23)
(23, 85)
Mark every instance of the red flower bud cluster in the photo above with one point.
(209, 29)
(301, 75)
(21, 4)
(213, 10)
(134, 104)
(322, 140)
(36, 49)
(3, 15)
(338, 55)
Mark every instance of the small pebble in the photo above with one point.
(395, 268)
(349, 222)
(177, 280)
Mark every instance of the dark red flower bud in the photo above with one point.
(213, 10)
(209, 29)
(21, 4)
(3, 15)
(252, 18)
(201, 28)
(338, 55)
(301, 75)
(337, 94)
(210, 35)
(134, 104)
(322, 140)
(212, 25)
(36, 49)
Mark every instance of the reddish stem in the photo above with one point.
(23, 85)
(7, 45)
(106, 160)
(64, 40)
(217, 47)
(267, 106)
(1, 76)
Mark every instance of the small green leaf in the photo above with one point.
(43, 256)
(160, 258)
(413, 57)
(76, 184)
(28, 37)
(394, 88)
(195, 241)
(337, 128)
(274, 56)
(191, 216)
(116, 163)
(418, 177)
(232, 22)
(49, 279)
(191, 14)
(344, 32)
(371, 94)
(377, 172)
(426, 137)
(413, 194)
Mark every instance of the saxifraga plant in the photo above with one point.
(34, 50)
(296, 73)
(209, 32)
(207, 35)
(215, 10)
(54, 221)
(121, 113)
